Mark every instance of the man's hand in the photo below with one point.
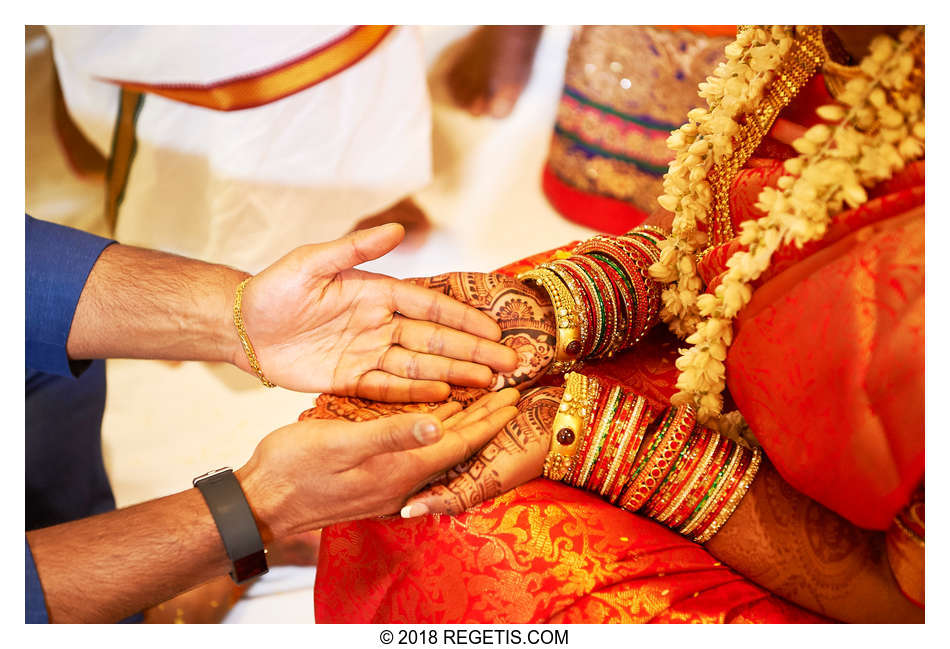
(318, 325)
(523, 312)
(314, 473)
(515, 456)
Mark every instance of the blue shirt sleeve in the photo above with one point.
(58, 262)
(35, 600)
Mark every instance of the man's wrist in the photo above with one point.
(228, 342)
(259, 499)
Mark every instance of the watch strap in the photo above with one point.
(235, 522)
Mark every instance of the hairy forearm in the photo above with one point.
(107, 567)
(141, 303)
(800, 550)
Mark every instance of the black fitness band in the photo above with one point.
(236, 525)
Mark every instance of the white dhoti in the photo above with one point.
(243, 187)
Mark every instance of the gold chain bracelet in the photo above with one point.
(242, 334)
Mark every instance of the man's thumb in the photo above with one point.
(360, 246)
(401, 433)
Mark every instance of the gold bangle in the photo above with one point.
(242, 334)
(570, 424)
(568, 334)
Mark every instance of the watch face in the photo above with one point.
(253, 565)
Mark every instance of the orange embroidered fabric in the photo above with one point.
(542, 553)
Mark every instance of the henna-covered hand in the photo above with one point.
(513, 457)
(523, 312)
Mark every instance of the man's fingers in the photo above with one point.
(414, 365)
(377, 385)
(424, 304)
(397, 433)
(437, 340)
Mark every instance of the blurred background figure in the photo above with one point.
(625, 89)
(233, 144)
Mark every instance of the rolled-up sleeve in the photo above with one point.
(58, 262)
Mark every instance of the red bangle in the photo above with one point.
(660, 461)
(706, 482)
(680, 473)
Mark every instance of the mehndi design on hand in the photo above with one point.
(523, 312)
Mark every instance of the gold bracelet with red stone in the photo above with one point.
(584, 314)
(599, 301)
(704, 481)
(573, 476)
(593, 295)
(708, 530)
(690, 456)
(609, 300)
(691, 514)
(632, 439)
(586, 308)
(598, 434)
(570, 424)
(659, 462)
(605, 460)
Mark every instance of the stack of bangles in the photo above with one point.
(685, 476)
(603, 296)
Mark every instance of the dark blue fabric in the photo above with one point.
(58, 261)
(35, 602)
(65, 473)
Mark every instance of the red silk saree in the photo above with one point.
(826, 367)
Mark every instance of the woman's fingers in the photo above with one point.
(416, 365)
(447, 410)
(437, 340)
(451, 498)
(460, 443)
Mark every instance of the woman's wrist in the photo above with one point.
(659, 464)
(603, 296)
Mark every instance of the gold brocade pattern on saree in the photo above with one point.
(607, 176)
(543, 552)
(645, 71)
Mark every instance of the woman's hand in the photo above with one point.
(522, 311)
(319, 325)
(515, 456)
